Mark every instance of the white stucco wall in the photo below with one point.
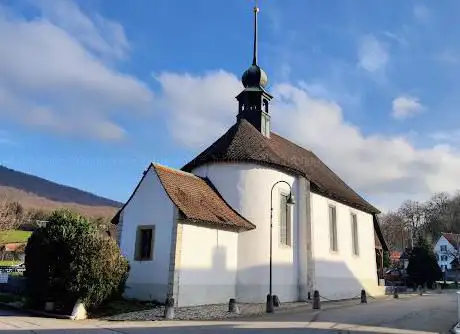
(342, 274)
(150, 205)
(246, 187)
(449, 253)
(208, 266)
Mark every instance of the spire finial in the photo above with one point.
(256, 10)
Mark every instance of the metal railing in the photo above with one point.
(11, 269)
(5, 272)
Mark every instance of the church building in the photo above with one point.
(252, 216)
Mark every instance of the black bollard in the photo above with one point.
(363, 297)
(169, 308)
(309, 295)
(276, 301)
(269, 305)
(316, 301)
(233, 306)
(395, 292)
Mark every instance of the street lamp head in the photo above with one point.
(290, 200)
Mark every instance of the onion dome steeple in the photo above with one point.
(254, 100)
(254, 76)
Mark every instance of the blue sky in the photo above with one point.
(92, 91)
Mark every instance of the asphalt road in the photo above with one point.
(408, 315)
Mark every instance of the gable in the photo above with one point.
(196, 198)
(452, 238)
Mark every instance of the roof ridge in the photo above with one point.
(174, 170)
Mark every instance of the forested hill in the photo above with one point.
(35, 192)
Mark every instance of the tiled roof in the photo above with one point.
(395, 255)
(453, 238)
(14, 247)
(197, 199)
(243, 142)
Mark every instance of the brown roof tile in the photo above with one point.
(199, 201)
(242, 142)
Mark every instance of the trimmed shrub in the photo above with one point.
(68, 260)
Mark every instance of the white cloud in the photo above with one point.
(421, 13)
(388, 169)
(202, 108)
(98, 34)
(54, 73)
(406, 106)
(372, 54)
(447, 136)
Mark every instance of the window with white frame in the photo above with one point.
(285, 221)
(443, 257)
(443, 248)
(145, 240)
(333, 228)
(354, 234)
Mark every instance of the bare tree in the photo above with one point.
(413, 214)
(435, 213)
(394, 230)
(11, 214)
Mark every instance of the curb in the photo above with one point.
(36, 312)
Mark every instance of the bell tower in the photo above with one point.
(254, 101)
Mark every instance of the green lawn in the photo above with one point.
(9, 263)
(13, 236)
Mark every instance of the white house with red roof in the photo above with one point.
(253, 215)
(446, 250)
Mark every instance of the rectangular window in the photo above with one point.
(443, 248)
(265, 124)
(443, 257)
(145, 237)
(285, 221)
(333, 228)
(354, 234)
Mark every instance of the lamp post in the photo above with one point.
(290, 201)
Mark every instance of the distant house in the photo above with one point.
(446, 249)
(395, 257)
(13, 252)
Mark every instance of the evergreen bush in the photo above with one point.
(69, 259)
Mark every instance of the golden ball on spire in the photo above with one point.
(256, 9)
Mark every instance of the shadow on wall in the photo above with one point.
(217, 283)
